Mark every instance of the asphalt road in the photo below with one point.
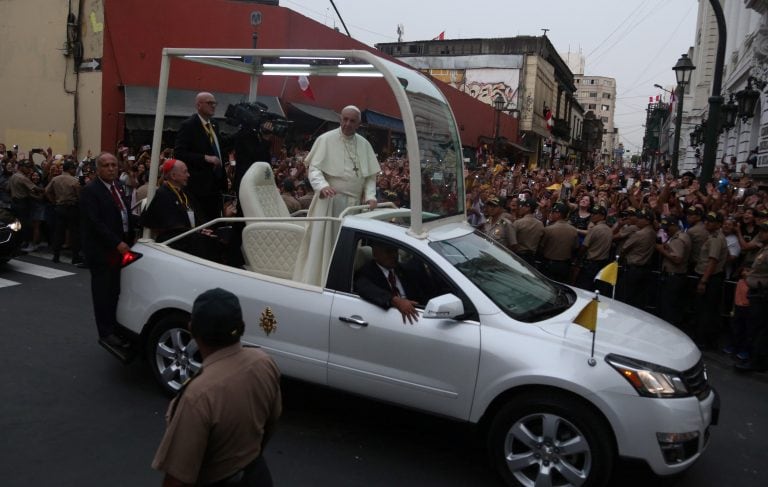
(72, 415)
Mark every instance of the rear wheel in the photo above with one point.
(552, 440)
(172, 353)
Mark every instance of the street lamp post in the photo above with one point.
(498, 105)
(715, 100)
(682, 70)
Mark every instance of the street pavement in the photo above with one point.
(72, 415)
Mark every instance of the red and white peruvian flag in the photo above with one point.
(305, 88)
(440, 37)
(549, 119)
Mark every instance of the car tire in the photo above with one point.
(553, 439)
(172, 353)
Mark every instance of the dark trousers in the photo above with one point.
(105, 289)
(758, 326)
(634, 288)
(529, 257)
(67, 218)
(557, 270)
(672, 290)
(740, 329)
(586, 278)
(708, 311)
(255, 474)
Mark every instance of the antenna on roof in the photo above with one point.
(400, 32)
(545, 30)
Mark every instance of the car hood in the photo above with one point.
(625, 330)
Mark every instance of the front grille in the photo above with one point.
(696, 380)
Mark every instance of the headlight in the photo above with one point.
(649, 380)
(15, 225)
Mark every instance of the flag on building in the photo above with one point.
(609, 273)
(305, 88)
(548, 118)
(440, 37)
(587, 317)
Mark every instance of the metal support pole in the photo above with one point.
(678, 127)
(715, 101)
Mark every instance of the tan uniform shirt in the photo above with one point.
(759, 274)
(291, 203)
(698, 234)
(64, 189)
(714, 247)
(598, 242)
(501, 231)
(624, 233)
(527, 233)
(639, 246)
(558, 241)
(220, 421)
(679, 245)
(20, 186)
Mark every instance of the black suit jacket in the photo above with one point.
(192, 145)
(101, 225)
(372, 285)
(166, 214)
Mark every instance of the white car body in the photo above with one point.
(471, 355)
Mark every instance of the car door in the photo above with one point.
(431, 364)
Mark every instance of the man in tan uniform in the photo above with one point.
(697, 231)
(221, 420)
(64, 192)
(636, 254)
(558, 242)
(496, 225)
(757, 280)
(710, 271)
(596, 249)
(674, 270)
(527, 231)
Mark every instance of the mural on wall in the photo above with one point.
(486, 84)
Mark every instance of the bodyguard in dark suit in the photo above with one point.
(198, 144)
(105, 228)
(387, 284)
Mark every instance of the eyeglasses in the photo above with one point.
(211, 103)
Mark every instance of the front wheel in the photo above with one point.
(172, 353)
(550, 439)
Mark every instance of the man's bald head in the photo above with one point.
(205, 103)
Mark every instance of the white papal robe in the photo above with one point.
(332, 162)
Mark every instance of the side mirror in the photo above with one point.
(446, 306)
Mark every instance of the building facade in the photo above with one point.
(526, 72)
(598, 94)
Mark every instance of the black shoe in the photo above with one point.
(751, 366)
(55, 259)
(116, 341)
(80, 264)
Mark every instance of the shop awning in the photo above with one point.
(380, 120)
(503, 141)
(320, 113)
(142, 100)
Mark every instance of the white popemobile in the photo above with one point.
(495, 345)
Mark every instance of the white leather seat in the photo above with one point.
(268, 247)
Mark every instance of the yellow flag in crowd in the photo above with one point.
(609, 273)
(587, 317)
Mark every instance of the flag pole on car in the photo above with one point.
(587, 318)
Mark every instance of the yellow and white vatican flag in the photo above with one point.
(609, 274)
(587, 318)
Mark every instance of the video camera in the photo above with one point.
(254, 116)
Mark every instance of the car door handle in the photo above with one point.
(353, 321)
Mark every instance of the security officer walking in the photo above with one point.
(757, 280)
(527, 231)
(219, 423)
(558, 242)
(64, 192)
(596, 249)
(675, 254)
(636, 253)
(710, 274)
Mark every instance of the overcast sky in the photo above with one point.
(635, 41)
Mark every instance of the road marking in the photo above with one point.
(36, 270)
(7, 283)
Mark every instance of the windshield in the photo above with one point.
(516, 288)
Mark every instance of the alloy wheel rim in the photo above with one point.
(176, 357)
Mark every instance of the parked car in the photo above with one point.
(10, 236)
(495, 343)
